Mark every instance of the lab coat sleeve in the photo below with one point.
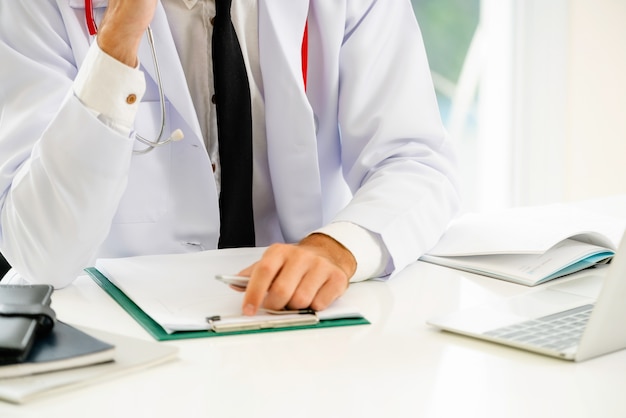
(109, 88)
(62, 171)
(367, 248)
(396, 156)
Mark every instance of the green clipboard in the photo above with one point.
(159, 334)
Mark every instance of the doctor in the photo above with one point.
(352, 171)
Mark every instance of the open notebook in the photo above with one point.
(574, 320)
(528, 245)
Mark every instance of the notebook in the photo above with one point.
(65, 347)
(593, 301)
(528, 245)
(131, 354)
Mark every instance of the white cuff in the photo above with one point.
(368, 249)
(109, 88)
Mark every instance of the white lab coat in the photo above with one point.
(364, 144)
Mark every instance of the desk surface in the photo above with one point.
(395, 367)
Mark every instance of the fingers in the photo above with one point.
(293, 277)
(297, 281)
(333, 287)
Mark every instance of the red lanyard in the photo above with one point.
(305, 53)
(93, 29)
(91, 22)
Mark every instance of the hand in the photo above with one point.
(123, 26)
(312, 273)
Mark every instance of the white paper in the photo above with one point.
(179, 291)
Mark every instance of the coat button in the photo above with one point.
(213, 100)
(131, 99)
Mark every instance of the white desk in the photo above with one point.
(395, 367)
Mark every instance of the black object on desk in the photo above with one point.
(25, 313)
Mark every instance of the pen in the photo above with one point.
(306, 311)
(233, 280)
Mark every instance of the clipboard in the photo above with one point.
(221, 327)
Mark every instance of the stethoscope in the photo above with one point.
(177, 135)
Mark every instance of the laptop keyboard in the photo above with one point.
(555, 332)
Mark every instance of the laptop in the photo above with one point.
(575, 319)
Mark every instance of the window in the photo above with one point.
(500, 70)
(448, 28)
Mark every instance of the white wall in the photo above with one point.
(595, 160)
(567, 101)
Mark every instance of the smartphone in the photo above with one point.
(233, 280)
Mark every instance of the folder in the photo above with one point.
(176, 296)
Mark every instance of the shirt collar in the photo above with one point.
(190, 3)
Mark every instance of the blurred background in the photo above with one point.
(533, 93)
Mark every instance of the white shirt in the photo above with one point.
(190, 23)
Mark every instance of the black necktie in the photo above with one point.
(234, 131)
